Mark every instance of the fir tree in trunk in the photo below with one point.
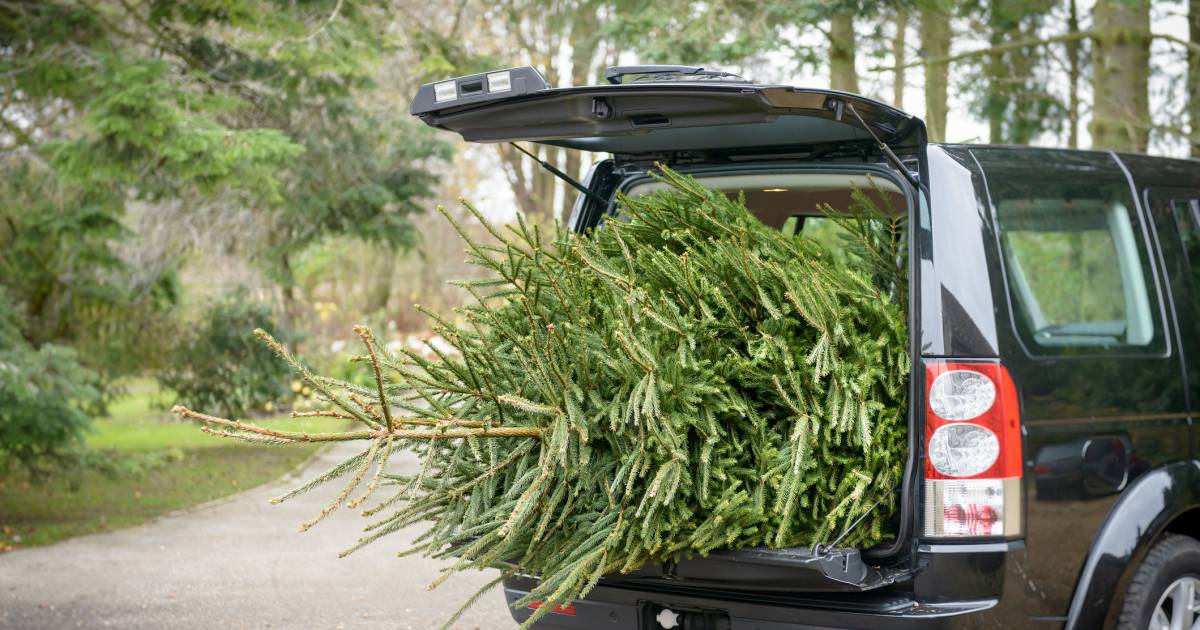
(1120, 68)
(685, 379)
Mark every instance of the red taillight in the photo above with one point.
(565, 609)
(972, 450)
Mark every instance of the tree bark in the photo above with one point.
(935, 43)
(514, 168)
(899, 57)
(543, 185)
(379, 284)
(1024, 91)
(1074, 49)
(1194, 76)
(572, 166)
(1120, 67)
(291, 306)
(586, 36)
(534, 190)
(842, 52)
(996, 101)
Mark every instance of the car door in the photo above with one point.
(1088, 342)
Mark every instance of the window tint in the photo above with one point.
(1077, 271)
(1187, 216)
(822, 229)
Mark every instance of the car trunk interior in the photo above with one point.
(778, 199)
(794, 198)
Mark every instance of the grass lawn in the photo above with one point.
(152, 463)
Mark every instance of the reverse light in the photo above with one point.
(499, 81)
(963, 450)
(972, 450)
(445, 91)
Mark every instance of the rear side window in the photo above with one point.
(1187, 215)
(1075, 260)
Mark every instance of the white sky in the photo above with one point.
(494, 197)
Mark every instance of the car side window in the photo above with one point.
(1187, 217)
(1077, 270)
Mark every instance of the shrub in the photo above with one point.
(41, 390)
(220, 365)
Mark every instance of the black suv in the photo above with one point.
(1052, 479)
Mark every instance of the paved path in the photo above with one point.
(239, 563)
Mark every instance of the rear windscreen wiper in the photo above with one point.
(561, 175)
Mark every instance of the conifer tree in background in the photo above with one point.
(681, 380)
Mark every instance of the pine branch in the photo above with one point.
(683, 380)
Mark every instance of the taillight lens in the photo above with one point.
(961, 394)
(963, 449)
(972, 450)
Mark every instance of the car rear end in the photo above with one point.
(958, 551)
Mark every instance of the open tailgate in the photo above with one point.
(659, 117)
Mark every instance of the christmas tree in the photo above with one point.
(681, 379)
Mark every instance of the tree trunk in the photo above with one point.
(585, 40)
(572, 166)
(379, 284)
(935, 43)
(534, 190)
(291, 305)
(900, 57)
(1194, 76)
(996, 70)
(1024, 92)
(1074, 49)
(1120, 67)
(546, 182)
(842, 52)
(514, 167)
(543, 185)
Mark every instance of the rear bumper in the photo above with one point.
(623, 610)
(966, 586)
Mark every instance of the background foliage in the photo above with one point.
(41, 391)
(218, 364)
(157, 155)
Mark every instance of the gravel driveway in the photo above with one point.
(239, 563)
